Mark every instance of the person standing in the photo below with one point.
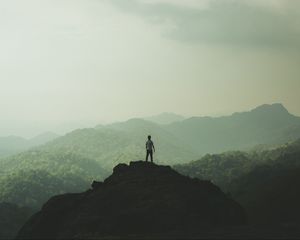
(150, 149)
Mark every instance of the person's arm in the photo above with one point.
(153, 147)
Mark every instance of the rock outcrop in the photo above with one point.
(137, 200)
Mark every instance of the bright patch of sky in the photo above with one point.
(76, 63)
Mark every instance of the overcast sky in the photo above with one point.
(72, 63)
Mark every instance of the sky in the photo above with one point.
(66, 64)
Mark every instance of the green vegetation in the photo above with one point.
(221, 169)
(33, 188)
(123, 142)
(266, 183)
(181, 141)
(33, 177)
(70, 163)
(12, 218)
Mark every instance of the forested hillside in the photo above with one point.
(181, 141)
(266, 183)
(71, 162)
(123, 142)
(30, 178)
(271, 191)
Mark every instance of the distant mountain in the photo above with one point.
(124, 141)
(14, 144)
(93, 152)
(180, 141)
(185, 140)
(267, 124)
(83, 154)
(165, 118)
(43, 138)
(139, 201)
(69, 163)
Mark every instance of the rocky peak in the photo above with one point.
(140, 199)
(276, 108)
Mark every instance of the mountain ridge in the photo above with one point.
(10, 145)
(266, 124)
(165, 118)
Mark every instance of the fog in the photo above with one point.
(66, 64)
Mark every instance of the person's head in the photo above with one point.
(149, 137)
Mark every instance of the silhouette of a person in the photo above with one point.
(150, 149)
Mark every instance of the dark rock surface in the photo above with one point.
(139, 200)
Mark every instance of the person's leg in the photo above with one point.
(151, 155)
(147, 155)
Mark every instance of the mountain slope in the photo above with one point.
(140, 200)
(30, 178)
(111, 144)
(267, 124)
(43, 138)
(165, 118)
(80, 156)
(265, 183)
(221, 169)
(84, 153)
(13, 144)
(273, 187)
(182, 141)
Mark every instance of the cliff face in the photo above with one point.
(141, 199)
